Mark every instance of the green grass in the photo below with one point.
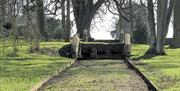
(163, 71)
(23, 72)
(53, 46)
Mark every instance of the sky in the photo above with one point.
(170, 33)
(103, 27)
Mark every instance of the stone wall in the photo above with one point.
(102, 50)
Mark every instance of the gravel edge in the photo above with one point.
(149, 83)
(57, 73)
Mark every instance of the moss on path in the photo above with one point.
(97, 75)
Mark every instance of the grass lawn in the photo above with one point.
(163, 71)
(23, 72)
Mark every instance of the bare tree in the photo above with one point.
(164, 13)
(176, 36)
(32, 34)
(3, 13)
(41, 18)
(14, 12)
(63, 17)
(84, 12)
(68, 22)
(151, 21)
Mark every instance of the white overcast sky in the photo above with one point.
(103, 28)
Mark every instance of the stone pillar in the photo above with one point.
(75, 45)
(127, 45)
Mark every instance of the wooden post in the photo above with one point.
(127, 45)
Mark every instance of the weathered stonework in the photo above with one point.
(102, 50)
(75, 45)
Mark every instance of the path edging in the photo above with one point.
(149, 83)
(59, 72)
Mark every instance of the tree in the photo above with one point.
(123, 17)
(53, 27)
(41, 18)
(14, 32)
(68, 22)
(63, 17)
(140, 34)
(84, 12)
(131, 15)
(151, 21)
(176, 36)
(31, 25)
(3, 12)
(164, 13)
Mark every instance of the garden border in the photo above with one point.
(150, 84)
(57, 73)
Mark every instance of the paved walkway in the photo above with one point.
(97, 75)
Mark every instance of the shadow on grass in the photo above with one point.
(145, 56)
(170, 47)
(17, 58)
(99, 62)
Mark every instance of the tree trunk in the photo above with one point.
(131, 16)
(164, 13)
(3, 11)
(41, 18)
(87, 34)
(151, 21)
(63, 19)
(14, 32)
(176, 36)
(68, 22)
(84, 12)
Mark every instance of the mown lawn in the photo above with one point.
(163, 71)
(23, 72)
